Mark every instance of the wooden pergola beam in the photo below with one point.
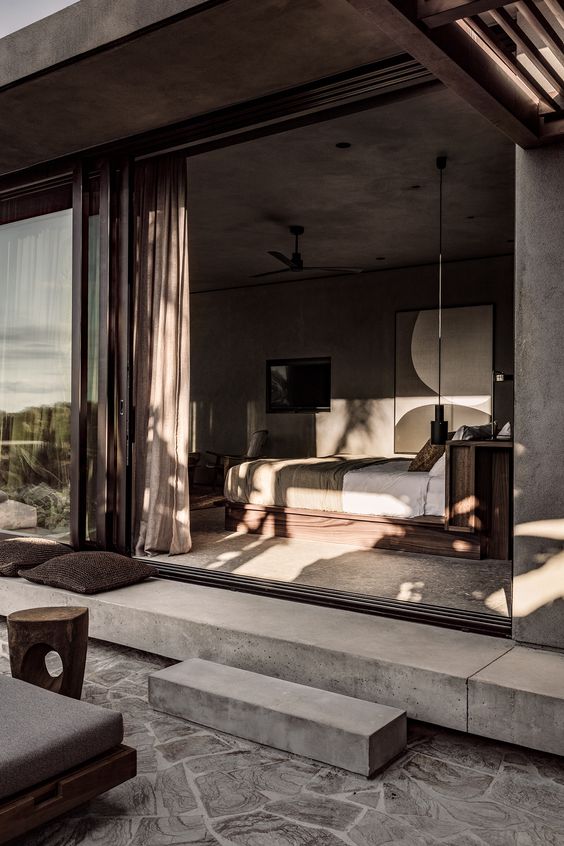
(552, 130)
(458, 60)
(435, 13)
(542, 27)
(483, 31)
(527, 47)
(557, 10)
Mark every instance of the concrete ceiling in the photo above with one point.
(222, 55)
(377, 198)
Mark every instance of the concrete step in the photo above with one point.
(339, 730)
(520, 699)
(423, 669)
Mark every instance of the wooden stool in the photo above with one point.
(32, 634)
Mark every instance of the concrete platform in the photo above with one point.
(520, 699)
(422, 669)
(459, 680)
(349, 733)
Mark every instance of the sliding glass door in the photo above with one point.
(35, 373)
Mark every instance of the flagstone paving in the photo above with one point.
(201, 787)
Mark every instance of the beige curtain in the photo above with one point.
(161, 515)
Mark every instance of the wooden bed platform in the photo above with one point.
(417, 534)
(477, 522)
(38, 805)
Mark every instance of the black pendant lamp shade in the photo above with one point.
(439, 426)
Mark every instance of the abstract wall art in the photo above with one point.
(466, 371)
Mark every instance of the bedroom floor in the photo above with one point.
(432, 579)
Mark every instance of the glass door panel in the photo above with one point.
(35, 374)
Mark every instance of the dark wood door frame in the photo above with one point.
(114, 354)
(105, 333)
(79, 377)
(122, 353)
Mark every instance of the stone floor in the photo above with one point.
(202, 787)
(483, 586)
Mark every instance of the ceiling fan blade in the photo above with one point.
(269, 273)
(281, 257)
(338, 269)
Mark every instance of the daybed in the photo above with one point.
(55, 754)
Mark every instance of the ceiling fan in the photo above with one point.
(295, 264)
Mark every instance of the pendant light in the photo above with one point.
(439, 426)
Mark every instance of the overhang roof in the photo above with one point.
(205, 57)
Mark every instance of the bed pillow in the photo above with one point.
(439, 467)
(19, 554)
(426, 458)
(90, 572)
(473, 433)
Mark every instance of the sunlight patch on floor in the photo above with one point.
(407, 577)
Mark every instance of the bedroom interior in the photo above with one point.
(361, 193)
(271, 319)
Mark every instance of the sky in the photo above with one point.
(15, 14)
(36, 313)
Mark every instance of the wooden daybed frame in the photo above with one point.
(38, 805)
(477, 522)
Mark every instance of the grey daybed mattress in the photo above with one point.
(44, 734)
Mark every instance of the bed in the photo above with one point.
(460, 508)
(339, 483)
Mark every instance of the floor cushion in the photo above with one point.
(90, 572)
(43, 734)
(22, 553)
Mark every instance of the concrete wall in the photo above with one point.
(87, 25)
(351, 319)
(539, 397)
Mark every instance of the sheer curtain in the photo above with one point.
(161, 516)
(35, 373)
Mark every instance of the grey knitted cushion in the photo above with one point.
(43, 734)
(90, 572)
(22, 553)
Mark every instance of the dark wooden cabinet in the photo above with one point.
(479, 493)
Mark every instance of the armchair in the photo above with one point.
(223, 461)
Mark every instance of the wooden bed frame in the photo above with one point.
(477, 522)
(38, 805)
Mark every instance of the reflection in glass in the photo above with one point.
(35, 374)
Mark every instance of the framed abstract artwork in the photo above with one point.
(466, 371)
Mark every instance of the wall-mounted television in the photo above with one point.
(295, 385)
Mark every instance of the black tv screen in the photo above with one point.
(298, 384)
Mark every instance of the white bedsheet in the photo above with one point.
(435, 501)
(389, 490)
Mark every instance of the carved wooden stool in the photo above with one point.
(32, 634)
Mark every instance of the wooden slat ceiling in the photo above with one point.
(526, 37)
(505, 58)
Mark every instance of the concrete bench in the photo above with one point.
(55, 753)
(339, 730)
